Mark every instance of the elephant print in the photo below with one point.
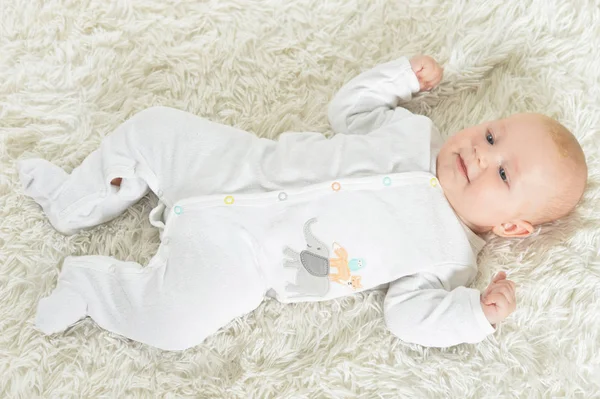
(343, 266)
(311, 264)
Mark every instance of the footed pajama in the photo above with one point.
(303, 218)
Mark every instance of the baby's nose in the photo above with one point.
(481, 158)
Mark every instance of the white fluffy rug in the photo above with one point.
(72, 70)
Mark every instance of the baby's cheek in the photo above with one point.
(482, 202)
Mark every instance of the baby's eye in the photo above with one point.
(490, 138)
(502, 173)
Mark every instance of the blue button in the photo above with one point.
(387, 181)
(178, 210)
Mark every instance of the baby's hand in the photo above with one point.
(428, 71)
(498, 300)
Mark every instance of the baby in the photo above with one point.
(306, 218)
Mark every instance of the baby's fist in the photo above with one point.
(498, 300)
(428, 71)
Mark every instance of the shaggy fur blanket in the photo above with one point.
(73, 70)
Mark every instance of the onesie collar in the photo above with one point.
(477, 243)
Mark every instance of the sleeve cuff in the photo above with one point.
(483, 323)
(409, 75)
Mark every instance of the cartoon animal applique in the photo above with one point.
(343, 267)
(355, 282)
(311, 264)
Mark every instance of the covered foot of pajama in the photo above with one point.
(175, 302)
(60, 310)
(42, 181)
(83, 199)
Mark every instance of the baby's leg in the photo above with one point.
(82, 282)
(81, 200)
(173, 303)
(122, 297)
(173, 153)
(86, 198)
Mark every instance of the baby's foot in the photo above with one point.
(42, 180)
(60, 310)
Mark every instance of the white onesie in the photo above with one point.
(304, 218)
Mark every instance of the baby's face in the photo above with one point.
(499, 171)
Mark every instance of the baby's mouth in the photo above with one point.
(462, 167)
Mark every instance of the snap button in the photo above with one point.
(387, 181)
(159, 193)
(336, 186)
(229, 200)
(282, 196)
(178, 210)
(433, 182)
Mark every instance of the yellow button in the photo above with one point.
(229, 200)
(433, 182)
(336, 186)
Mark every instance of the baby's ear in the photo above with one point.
(514, 229)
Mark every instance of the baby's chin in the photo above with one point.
(466, 217)
(476, 219)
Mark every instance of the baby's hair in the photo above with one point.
(565, 141)
(572, 157)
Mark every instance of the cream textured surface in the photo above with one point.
(71, 71)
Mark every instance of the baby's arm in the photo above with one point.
(436, 309)
(499, 299)
(371, 99)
